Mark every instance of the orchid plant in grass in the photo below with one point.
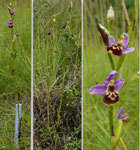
(14, 35)
(110, 89)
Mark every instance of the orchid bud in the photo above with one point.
(54, 18)
(125, 117)
(71, 5)
(110, 14)
(105, 34)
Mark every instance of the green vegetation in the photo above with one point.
(15, 73)
(96, 68)
(57, 75)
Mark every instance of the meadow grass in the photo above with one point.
(96, 68)
(57, 75)
(15, 73)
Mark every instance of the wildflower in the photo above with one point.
(50, 33)
(121, 47)
(66, 26)
(121, 116)
(12, 12)
(10, 23)
(121, 112)
(16, 34)
(109, 90)
(110, 14)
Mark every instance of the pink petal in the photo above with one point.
(97, 89)
(125, 51)
(111, 41)
(126, 40)
(111, 75)
(118, 84)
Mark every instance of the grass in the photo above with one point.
(57, 75)
(15, 74)
(96, 69)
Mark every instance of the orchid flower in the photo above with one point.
(109, 90)
(10, 23)
(12, 12)
(51, 32)
(66, 26)
(121, 47)
(121, 116)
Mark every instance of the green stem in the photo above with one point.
(48, 114)
(112, 135)
(60, 105)
(111, 107)
(111, 120)
(119, 129)
(55, 141)
(113, 143)
(121, 60)
(59, 109)
(110, 25)
(116, 138)
(111, 61)
(48, 118)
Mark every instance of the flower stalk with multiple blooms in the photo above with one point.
(14, 35)
(110, 89)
